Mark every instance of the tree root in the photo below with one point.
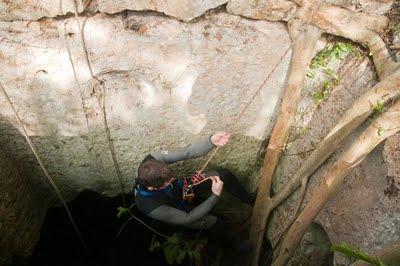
(362, 28)
(383, 127)
(389, 254)
(384, 92)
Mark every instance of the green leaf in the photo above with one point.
(168, 255)
(325, 85)
(331, 53)
(378, 107)
(181, 256)
(191, 254)
(332, 75)
(174, 239)
(311, 73)
(355, 253)
(380, 132)
(122, 211)
(171, 253)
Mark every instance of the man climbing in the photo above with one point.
(159, 195)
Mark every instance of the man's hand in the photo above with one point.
(217, 185)
(220, 138)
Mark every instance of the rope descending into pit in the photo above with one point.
(46, 173)
(99, 92)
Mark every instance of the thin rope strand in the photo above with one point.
(101, 102)
(241, 113)
(44, 169)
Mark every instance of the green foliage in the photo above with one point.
(176, 248)
(311, 73)
(395, 28)
(122, 211)
(357, 254)
(380, 132)
(330, 54)
(334, 78)
(301, 131)
(323, 94)
(378, 107)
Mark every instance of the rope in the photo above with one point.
(140, 221)
(44, 169)
(100, 100)
(244, 108)
(240, 114)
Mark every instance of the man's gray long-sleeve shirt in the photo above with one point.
(197, 217)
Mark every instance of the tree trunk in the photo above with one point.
(303, 47)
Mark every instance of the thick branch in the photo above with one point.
(385, 126)
(303, 46)
(385, 91)
(360, 27)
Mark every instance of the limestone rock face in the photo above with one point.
(36, 9)
(368, 6)
(186, 10)
(164, 83)
(275, 10)
(21, 215)
(182, 9)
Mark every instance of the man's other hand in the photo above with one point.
(220, 138)
(217, 185)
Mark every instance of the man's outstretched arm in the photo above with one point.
(197, 149)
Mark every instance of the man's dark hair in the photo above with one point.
(153, 173)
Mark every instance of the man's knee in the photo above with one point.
(204, 223)
(224, 174)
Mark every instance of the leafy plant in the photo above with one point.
(301, 131)
(356, 253)
(330, 54)
(176, 248)
(395, 28)
(334, 77)
(323, 94)
(378, 107)
(122, 211)
(311, 73)
(380, 132)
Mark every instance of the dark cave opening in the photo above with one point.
(96, 218)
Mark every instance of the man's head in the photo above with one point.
(154, 175)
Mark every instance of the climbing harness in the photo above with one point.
(196, 179)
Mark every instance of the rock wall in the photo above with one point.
(164, 83)
(21, 213)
